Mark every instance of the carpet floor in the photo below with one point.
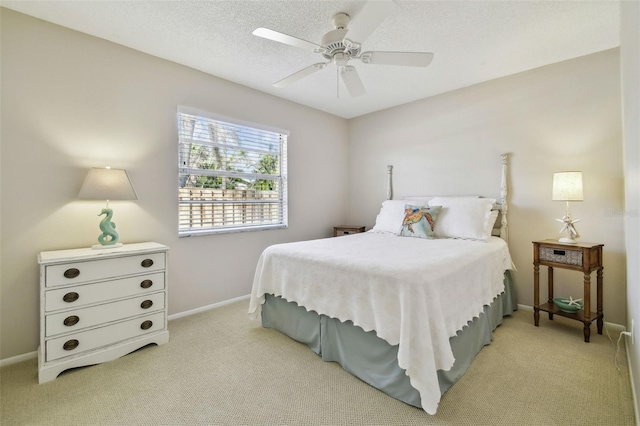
(221, 368)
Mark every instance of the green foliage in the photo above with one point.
(268, 165)
(208, 158)
(205, 157)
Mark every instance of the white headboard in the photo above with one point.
(501, 205)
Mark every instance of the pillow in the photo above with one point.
(423, 200)
(466, 218)
(390, 217)
(491, 222)
(419, 221)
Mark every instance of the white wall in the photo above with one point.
(564, 116)
(71, 102)
(630, 68)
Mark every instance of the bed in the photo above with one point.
(405, 306)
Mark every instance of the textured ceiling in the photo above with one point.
(473, 41)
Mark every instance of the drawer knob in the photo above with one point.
(71, 273)
(71, 297)
(146, 283)
(70, 345)
(146, 325)
(147, 263)
(146, 304)
(71, 321)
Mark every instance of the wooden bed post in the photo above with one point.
(504, 229)
(389, 183)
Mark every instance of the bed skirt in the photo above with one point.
(371, 358)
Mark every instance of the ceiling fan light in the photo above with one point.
(340, 59)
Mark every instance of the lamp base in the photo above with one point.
(566, 240)
(110, 246)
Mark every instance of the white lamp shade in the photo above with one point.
(567, 186)
(107, 184)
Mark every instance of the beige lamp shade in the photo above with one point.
(567, 186)
(107, 184)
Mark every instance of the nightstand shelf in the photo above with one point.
(578, 316)
(584, 257)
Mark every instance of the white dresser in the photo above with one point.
(98, 305)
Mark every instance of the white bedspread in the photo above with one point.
(414, 293)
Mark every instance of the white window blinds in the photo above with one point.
(232, 177)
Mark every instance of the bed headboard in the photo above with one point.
(501, 205)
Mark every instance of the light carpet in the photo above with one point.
(222, 368)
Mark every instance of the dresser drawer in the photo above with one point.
(97, 270)
(82, 295)
(564, 256)
(78, 319)
(78, 343)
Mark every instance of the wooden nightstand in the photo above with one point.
(585, 257)
(347, 230)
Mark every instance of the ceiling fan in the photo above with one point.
(343, 44)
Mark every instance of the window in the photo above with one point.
(232, 176)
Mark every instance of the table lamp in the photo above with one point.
(107, 184)
(567, 186)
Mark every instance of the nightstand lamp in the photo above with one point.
(107, 184)
(567, 186)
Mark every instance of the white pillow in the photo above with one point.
(463, 217)
(423, 200)
(391, 215)
(491, 222)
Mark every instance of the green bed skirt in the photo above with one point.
(371, 358)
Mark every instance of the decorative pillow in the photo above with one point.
(466, 218)
(390, 217)
(419, 221)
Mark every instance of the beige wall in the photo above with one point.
(630, 67)
(71, 102)
(564, 116)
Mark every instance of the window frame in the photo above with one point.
(281, 178)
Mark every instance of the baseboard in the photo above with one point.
(209, 307)
(19, 358)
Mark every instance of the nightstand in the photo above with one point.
(347, 230)
(583, 257)
(98, 305)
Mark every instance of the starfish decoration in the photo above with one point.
(568, 222)
(570, 301)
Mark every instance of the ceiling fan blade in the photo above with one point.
(410, 59)
(352, 80)
(287, 39)
(369, 18)
(300, 75)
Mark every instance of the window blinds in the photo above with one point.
(231, 176)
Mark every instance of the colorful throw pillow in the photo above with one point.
(419, 221)
(391, 215)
